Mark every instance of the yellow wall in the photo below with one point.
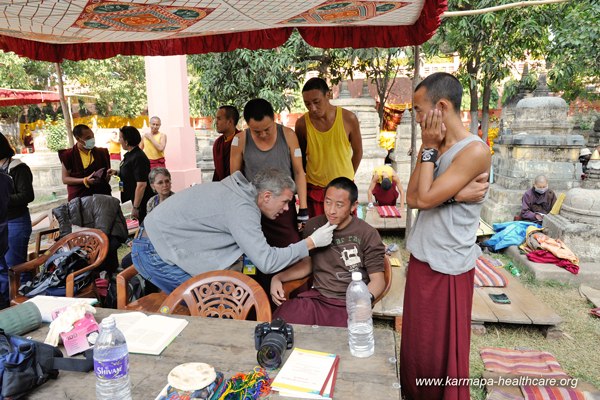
(101, 122)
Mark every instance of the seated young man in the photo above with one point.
(356, 246)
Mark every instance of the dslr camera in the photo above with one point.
(271, 340)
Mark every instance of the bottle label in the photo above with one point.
(113, 369)
(249, 267)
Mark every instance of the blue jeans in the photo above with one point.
(19, 231)
(149, 264)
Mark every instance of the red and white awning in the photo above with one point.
(53, 30)
(16, 97)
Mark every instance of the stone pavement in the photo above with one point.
(589, 272)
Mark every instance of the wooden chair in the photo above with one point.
(223, 294)
(292, 288)
(154, 302)
(93, 241)
(43, 237)
(149, 303)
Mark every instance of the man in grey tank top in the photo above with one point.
(266, 144)
(439, 283)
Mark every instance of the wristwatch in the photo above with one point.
(429, 155)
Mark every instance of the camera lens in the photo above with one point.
(271, 350)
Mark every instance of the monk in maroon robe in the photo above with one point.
(93, 178)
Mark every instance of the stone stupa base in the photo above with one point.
(502, 204)
(582, 238)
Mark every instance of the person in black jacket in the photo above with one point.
(19, 220)
(6, 190)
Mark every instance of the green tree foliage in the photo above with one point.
(22, 73)
(488, 43)
(276, 75)
(119, 83)
(381, 67)
(574, 52)
(56, 134)
(238, 76)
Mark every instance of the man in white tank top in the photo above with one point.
(439, 284)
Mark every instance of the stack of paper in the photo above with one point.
(307, 374)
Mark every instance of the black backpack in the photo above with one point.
(52, 278)
(136, 288)
(26, 364)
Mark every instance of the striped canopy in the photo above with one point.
(53, 30)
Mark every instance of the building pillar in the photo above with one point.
(168, 99)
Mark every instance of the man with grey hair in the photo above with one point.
(208, 227)
(537, 201)
(154, 144)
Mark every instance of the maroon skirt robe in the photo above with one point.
(436, 333)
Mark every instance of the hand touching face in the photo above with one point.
(430, 118)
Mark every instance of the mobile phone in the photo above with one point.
(501, 298)
(99, 174)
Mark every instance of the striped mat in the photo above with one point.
(551, 393)
(498, 394)
(486, 275)
(388, 212)
(521, 362)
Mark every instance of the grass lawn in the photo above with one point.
(577, 352)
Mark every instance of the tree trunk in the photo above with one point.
(474, 108)
(485, 109)
(383, 91)
(472, 69)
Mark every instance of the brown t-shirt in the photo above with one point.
(357, 247)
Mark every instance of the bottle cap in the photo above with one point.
(108, 322)
(357, 276)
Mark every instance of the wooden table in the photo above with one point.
(228, 345)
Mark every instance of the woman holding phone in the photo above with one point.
(85, 167)
(133, 172)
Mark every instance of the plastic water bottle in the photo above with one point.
(111, 363)
(513, 270)
(360, 321)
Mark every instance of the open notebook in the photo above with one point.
(148, 334)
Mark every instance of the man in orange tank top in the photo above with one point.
(330, 140)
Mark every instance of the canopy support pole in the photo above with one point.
(66, 107)
(413, 130)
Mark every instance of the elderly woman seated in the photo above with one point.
(160, 182)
